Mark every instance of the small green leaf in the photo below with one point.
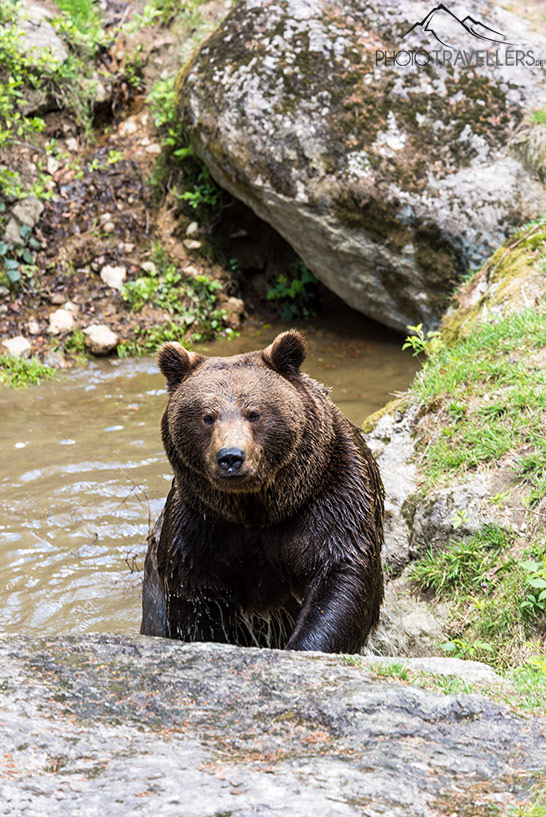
(537, 582)
(531, 566)
(14, 275)
(25, 231)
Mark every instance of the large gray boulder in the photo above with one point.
(96, 725)
(390, 180)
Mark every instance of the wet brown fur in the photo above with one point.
(287, 552)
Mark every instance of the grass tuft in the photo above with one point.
(21, 372)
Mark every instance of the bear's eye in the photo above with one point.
(208, 418)
(253, 416)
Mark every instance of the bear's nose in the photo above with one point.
(230, 459)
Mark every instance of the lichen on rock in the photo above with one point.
(389, 181)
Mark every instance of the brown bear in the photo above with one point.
(272, 530)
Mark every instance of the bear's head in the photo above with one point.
(237, 420)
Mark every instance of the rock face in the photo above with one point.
(389, 180)
(39, 34)
(415, 522)
(158, 727)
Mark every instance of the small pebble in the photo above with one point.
(190, 244)
(17, 347)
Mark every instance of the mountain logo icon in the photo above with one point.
(444, 25)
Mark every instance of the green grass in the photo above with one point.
(495, 605)
(21, 372)
(525, 690)
(84, 14)
(536, 808)
(465, 565)
(539, 116)
(494, 397)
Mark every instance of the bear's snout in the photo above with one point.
(230, 459)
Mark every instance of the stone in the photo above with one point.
(39, 34)
(97, 88)
(149, 267)
(192, 228)
(160, 727)
(472, 671)
(234, 309)
(154, 149)
(4, 292)
(392, 445)
(100, 339)
(192, 244)
(26, 212)
(55, 360)
(35, 101)
(70, 306)
(61, 321)
(113, 276)
(389, 181)
(407, 626)
(53, 165)
(128, 127)
(33, 327)
(414, 523)
(17, 347)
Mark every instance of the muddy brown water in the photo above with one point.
(83, 471)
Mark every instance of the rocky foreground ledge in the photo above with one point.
(100, 724)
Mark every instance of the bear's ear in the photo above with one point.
(176, 363)
(286, 353)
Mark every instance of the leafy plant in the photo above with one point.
(461, 648)
(75, 344)
(190, 299)
(67, 81)
(180, 294)
(178, 167)
(421, 343)
(295, 294)
(535, 601)
(17, 260)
